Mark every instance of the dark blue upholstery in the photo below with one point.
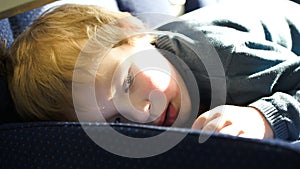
(191, 5)
(65, 145)
(149, 6)
(10, 29)
(21, 21)
(6, 34)
(151, 12)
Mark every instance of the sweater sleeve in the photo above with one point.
(264, 67)
(259, 56)
(282, 106)
(269, 80)
(282, 112)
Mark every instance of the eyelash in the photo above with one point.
(128, 81)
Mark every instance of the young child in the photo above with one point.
(146, 79)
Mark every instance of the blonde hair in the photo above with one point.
(43, 57)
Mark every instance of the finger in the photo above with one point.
(216, 124)
(204, 118)
(199, 123)
(231, 130)
(212, 116)
(214, 113)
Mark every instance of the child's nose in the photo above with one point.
(147, 111)
(146, 106)
(134, 108)
(150, 100)
(158, 78)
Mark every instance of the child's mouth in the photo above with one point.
(169, 116)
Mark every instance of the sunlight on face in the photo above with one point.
(158, 78)
(154, 67)
(138, 84)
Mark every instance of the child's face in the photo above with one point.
(137, 84)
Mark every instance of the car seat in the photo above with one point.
(80, 145)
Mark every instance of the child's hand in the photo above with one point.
(235, 120)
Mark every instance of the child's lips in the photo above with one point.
(168, 117)
(171, 115)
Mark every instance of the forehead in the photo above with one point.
(114, 58)
(111, 65)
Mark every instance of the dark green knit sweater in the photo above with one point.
(245, 59)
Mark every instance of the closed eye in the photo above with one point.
(128, 81)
